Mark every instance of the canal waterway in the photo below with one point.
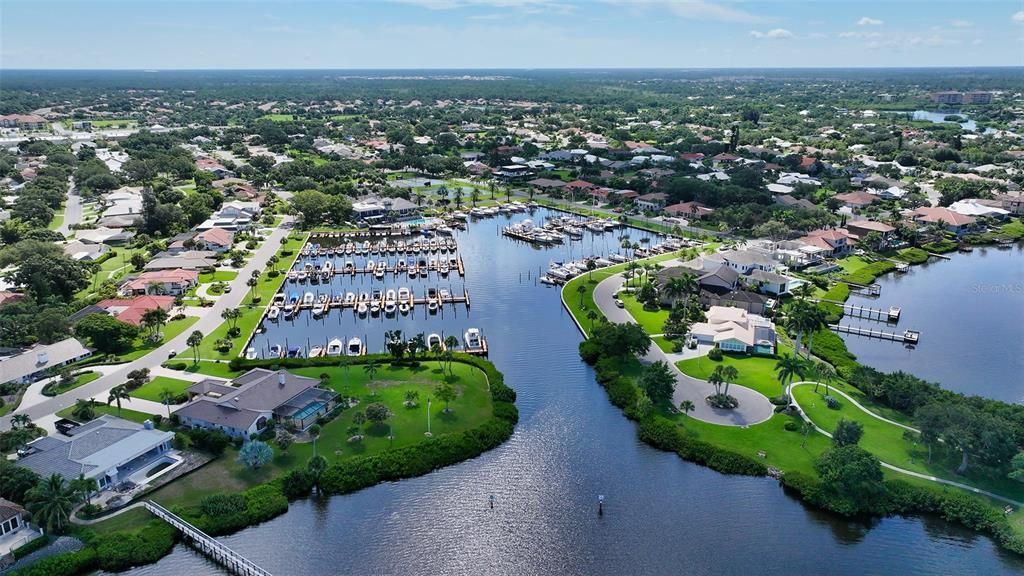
(662, 515)
(970, 312)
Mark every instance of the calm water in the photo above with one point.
(970, 312)
(663, 515)
(968, 124)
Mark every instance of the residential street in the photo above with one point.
(72, 210)
(207, 323)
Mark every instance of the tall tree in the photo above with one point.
(117, 394)
(51, 503)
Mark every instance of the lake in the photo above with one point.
(662, 515)
(936, 117)
(970, 312)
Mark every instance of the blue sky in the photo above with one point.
(145, 34)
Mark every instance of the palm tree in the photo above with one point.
(592, 315)
(167, 398)
(716, 379)
(194, 340)
(814, 321)
(492, 187)
(806, 429)
(371, 369)
(581, 290)
(117, 394)
(458, 197)
(51, 503)
(825, 374)
(797, 320)
(21, 421)
(450, 344)
(316, 467)
(84, 409)
(84, 487)
(686, 406)
(789, 366)
(508, 193)
(314, 433)
(231, 315)
(474, 197)
(729, 375)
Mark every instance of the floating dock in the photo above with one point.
(907, 336)
(892, 315)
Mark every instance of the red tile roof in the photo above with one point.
(131, 310)
(944, 215)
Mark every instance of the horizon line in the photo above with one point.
(518, 69)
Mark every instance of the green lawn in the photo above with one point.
(653, 322)
(887, 442)
(471, 408)
(58, 219)
(170, 330)
(757, 372)
(215, 369)
(278, 117)
(113, 268)
(851, 263)
(151, 390)
(80, 379)
(217, 276)
(126, 412)
(664, 343)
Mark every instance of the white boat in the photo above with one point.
(278, 299)
(316, 351)
(371, 266)
(292, 275)
(379, 272)
(375, 307)
(302, 274)
(334, 347)
(349, 266)
(273, 313)
(472, 339)
(307, 299)
(444, 294)
(403, 294)
(250, 353)
(435, 339)
(276, 351)
(362, 308)
(355, 347)
(404, 307)
(390, 307)
(350, 298)
(443, 269)
(432, 306)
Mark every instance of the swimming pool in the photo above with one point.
(309, 410)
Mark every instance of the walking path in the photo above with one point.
(753, 408)
(886, 465)
(76, 520)
(207, 323)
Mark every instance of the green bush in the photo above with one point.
(867, 274)
(940, 246)
(264, 502)
(120, 551)
(211, 441)
(715, 354)
(70, 564)
(37, 544)
(791, 426)
(296, 484)
(831, 348)
(663, 434)
(833, 403)
(180, 366)
(913, 255)
(223, 513)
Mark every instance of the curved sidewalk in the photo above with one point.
(884, 464)
(754, 407)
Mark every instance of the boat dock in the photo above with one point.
(907, 336)
(871, 290)
(891, 315)
(219, 553)
(451, 265)
(321, 307)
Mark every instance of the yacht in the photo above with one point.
(390, 307)
(316, 351)
(273, 313)
(250, 353)
(334, 347)
(293, 301)
(443, 294)
(375, 307)
(295, 352)
(472, 339)
(371, 266)
(276, 351)
(355, 347)
(443, 268)
(382, 266)
(404, 294)
(302, 275)
(435, 339)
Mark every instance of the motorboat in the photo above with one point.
(302, 275)
(293, 301)
(435, 340)
(292, 275)
(390, 307)
(316, 351)
(355, 347)
(375, 307)
(295, 352)
(404, 294)
(371, 265)
(276, 351)
(404, 307)
(472, 339)
(334, 347)
(443, 294)
(432, 306)
(382, 267)
(273, 312)
(350, 298)
(401, 266)
(443, 268)
(307, 299)
(278, 299)
(413, 271)
(362, 308)
(250, 353)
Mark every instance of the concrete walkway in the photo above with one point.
(888, 466)
(76, 520)
(753, 408)
(206, 324)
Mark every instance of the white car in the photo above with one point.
(620, 303)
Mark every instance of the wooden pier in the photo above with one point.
(891, 315)
(907, 336)
(219, 553)
(871, 290)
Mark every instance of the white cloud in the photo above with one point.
(958, 23)
(774, 34)
(1018, 17)
(693, 9)
(865, 21)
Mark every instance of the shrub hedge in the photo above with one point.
(120, 551)
(70, 564)
(867, 274)
(37, 544)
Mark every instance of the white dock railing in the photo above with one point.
(233, 561)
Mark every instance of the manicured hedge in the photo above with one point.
(664, 434)
(37, 544)
(70, 564)
(913, 255)
(940, 246)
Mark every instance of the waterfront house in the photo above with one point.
(248, 404)
(858, 229)
(652, 202)
(174, 282)
(40, 360)
(978, 209)
(103, 235)
(189, 260)
(373, 209)
(131, 310)
(235, 215)
(833, 243)
(944, 218)
(15, 530)
(109, 450)
(690, 210)
(736, 330)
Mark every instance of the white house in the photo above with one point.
(736, 330)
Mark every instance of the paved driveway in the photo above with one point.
(207, 323)
(754, 407)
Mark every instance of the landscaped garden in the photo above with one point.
(154, 389)
(756, 372)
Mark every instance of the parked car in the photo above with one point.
(620, 303)
(172, 353)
